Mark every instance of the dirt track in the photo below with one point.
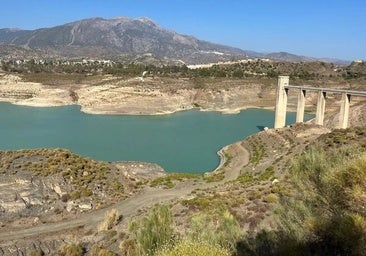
(126, 208)
(130, 206)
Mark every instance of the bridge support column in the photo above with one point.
(281, 102)
(320, 108)
(343, 115)
(300, 106)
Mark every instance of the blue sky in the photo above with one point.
(321, 28)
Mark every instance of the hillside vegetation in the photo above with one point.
(322, 214)
(300, 71)
(315, 208)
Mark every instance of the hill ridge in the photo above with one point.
(114, 38)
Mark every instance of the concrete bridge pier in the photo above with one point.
(300, 106)
(344, 113)
(320, 108)
(281, 102)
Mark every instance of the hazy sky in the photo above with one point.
(321, 28)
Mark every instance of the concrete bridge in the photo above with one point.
(281, 102)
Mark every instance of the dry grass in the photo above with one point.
(110, 220)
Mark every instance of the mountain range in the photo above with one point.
(122, 38)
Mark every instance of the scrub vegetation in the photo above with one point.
(318, 210)
(85, 175)
(168, 180)
(300, 71)
(324, 215)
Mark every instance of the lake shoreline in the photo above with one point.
(224, 111)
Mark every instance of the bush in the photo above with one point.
(129, 247)
(218, 228)
(268, 173)
(96, 251)
(110, 220)
(71, 250)
(328, 215)
(154, 230)
(271, 198)
(38, 252)
(194, 248)
(246, 177)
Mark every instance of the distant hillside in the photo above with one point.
(99, 37)
(122, 38)
(288, 57)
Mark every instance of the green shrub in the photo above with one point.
(85, 192)
(36, 253)
(75, 195)
(110, 220)
(228, 158)
(257, 154)
(194, 248)
(202, 202)
(246, 177)
(268, 173)
(216, 228)
(154, 230)
(214, 176)
(271, 198)
(96, 251)
(328, 213)
(71, 250)
(130, 247)
(166, 182)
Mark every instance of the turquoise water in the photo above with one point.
(181, 142)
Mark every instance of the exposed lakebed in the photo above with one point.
(180, 142)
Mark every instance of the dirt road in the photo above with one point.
(126, 208)
(147, 197)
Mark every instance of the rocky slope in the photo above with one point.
(47, 185)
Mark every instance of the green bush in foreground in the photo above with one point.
(328, 215)
(71, 250)
(216, 228)
(111, 219)
(193, 248)
(96, 251)
(154, 230)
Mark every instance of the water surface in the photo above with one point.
(181, 142)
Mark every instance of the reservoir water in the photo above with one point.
(181, 142)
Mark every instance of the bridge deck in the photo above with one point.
(308, 88)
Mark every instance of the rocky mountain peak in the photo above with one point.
(99, 37)
(122, 36)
